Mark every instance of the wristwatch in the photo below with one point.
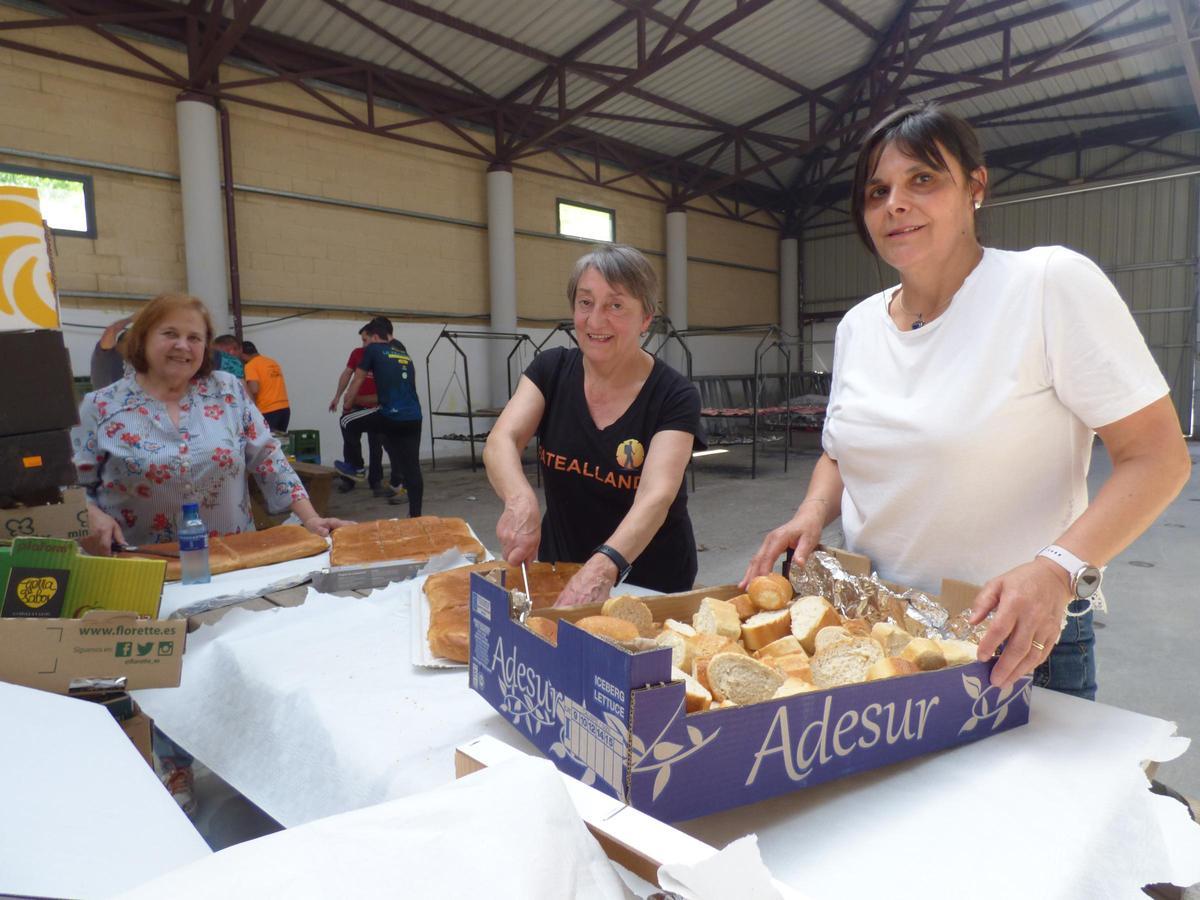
(1085, 578)
(623, 566)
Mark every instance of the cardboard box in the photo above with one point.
(615, 719)
(35, 372)
(45, 577)
(28, 299)
(65, 519)
(137, 729)
(48, 654)
(32, 464)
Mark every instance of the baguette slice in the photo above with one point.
(745, 606)
(785, 646)
(631, 609)
(771, 591)
(829, 635)
(609, 628)
(891, 667)
(893, 638)
(810, 615)
(794, 665)
(858, 627)
(765, 628)
(678, 627)
(793, 686)
(696, 697)
(742, 679)
(717, 617)
(846, 662)
(677, 644)
(925, 653)
(959, 653)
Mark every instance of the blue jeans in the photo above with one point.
(1071, 666)
(169, 753)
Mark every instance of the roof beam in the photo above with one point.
(220, 45)
(1187, 49)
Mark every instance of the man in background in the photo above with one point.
(108, 363)
(364, 403)
(266, 387)
(227, 355)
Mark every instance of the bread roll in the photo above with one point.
(696, 697)
(764, 628)
(717, 617)
(546, 629)
(771, 591)
(892, 637)
(608, 627)
(890, 667)
(846, 662)
(829, 635)
(793, 686)
(785, 646)
(810, 615)
(744, 605)
(925, 653)
(631, 609)
(959, 653)
(742, 679)
(793, 665)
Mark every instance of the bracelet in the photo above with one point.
(815, 500)
(616, 559)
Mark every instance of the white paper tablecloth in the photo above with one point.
(314, 710)
(233, 587)
(81, 814)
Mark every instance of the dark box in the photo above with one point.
(39, 393)
(31, 464)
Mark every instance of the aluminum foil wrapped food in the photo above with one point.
(868, 597)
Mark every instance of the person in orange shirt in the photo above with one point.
(264, 381)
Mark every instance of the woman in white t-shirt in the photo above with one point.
(964, 402)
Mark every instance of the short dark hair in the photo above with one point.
(380, 327)
(917, 130)
(228, 340)
(248, 347)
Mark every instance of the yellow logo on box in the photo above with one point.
(36, 592)
(27, 298)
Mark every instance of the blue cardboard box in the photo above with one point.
(615, 719)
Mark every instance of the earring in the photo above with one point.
(978, 204)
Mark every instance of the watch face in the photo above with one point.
(1087, 582)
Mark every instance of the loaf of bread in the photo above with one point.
(771, 591)
(890, 667)
(810, 615)
(245, 550)
(765, 627)
(449, 631)
(388, 540)
(845, 662)
(742, 679)
(546, 629)
(632, 610)
(717, 617)
(925, 653)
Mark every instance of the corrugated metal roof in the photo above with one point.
(803, 41)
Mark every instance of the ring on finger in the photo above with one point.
(1038, 646)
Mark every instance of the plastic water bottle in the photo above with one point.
(193, 546)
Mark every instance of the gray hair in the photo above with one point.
(620, 265)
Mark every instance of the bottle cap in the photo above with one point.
(191, 509)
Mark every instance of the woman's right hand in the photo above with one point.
(802, 532)
(519, 529)
(103, 532)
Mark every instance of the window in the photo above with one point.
(65, 198)
(592, 223)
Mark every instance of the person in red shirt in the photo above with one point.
(365, 403)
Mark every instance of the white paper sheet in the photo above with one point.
(512, 825)
(81, 814)
(233, 587)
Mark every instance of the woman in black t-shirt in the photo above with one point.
(616, 428)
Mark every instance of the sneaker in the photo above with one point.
(179, 782)
(348, 471)
(400, 499)
(344, 485)
(383, 492)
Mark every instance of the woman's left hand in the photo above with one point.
(1030, 602)
(322, 526)
(591, 584)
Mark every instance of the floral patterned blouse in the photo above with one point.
(138, 467)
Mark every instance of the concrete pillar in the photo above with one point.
(677, 293)
(203, 212)
(502, 278)
(789, 285)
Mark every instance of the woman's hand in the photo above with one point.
(591, 584)
(103, 532)
(519, 529)
(802, 531)
(321, 525)
(1030, 602)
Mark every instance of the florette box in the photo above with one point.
(48, 654)
(614, 719)
(65, 519)
(50, 578)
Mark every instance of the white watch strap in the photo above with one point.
(1064, 558)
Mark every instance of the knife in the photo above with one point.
(125, 548)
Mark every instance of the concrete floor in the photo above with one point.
(1146, 643)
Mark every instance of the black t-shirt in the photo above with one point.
(395, 380)
(591, 474)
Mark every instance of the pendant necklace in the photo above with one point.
(919, 318)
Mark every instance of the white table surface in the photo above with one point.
(315, 710)
(81, 813)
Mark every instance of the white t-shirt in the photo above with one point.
(964, 445)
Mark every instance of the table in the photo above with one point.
(323, 696)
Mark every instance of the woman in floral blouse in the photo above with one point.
(175, 430)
